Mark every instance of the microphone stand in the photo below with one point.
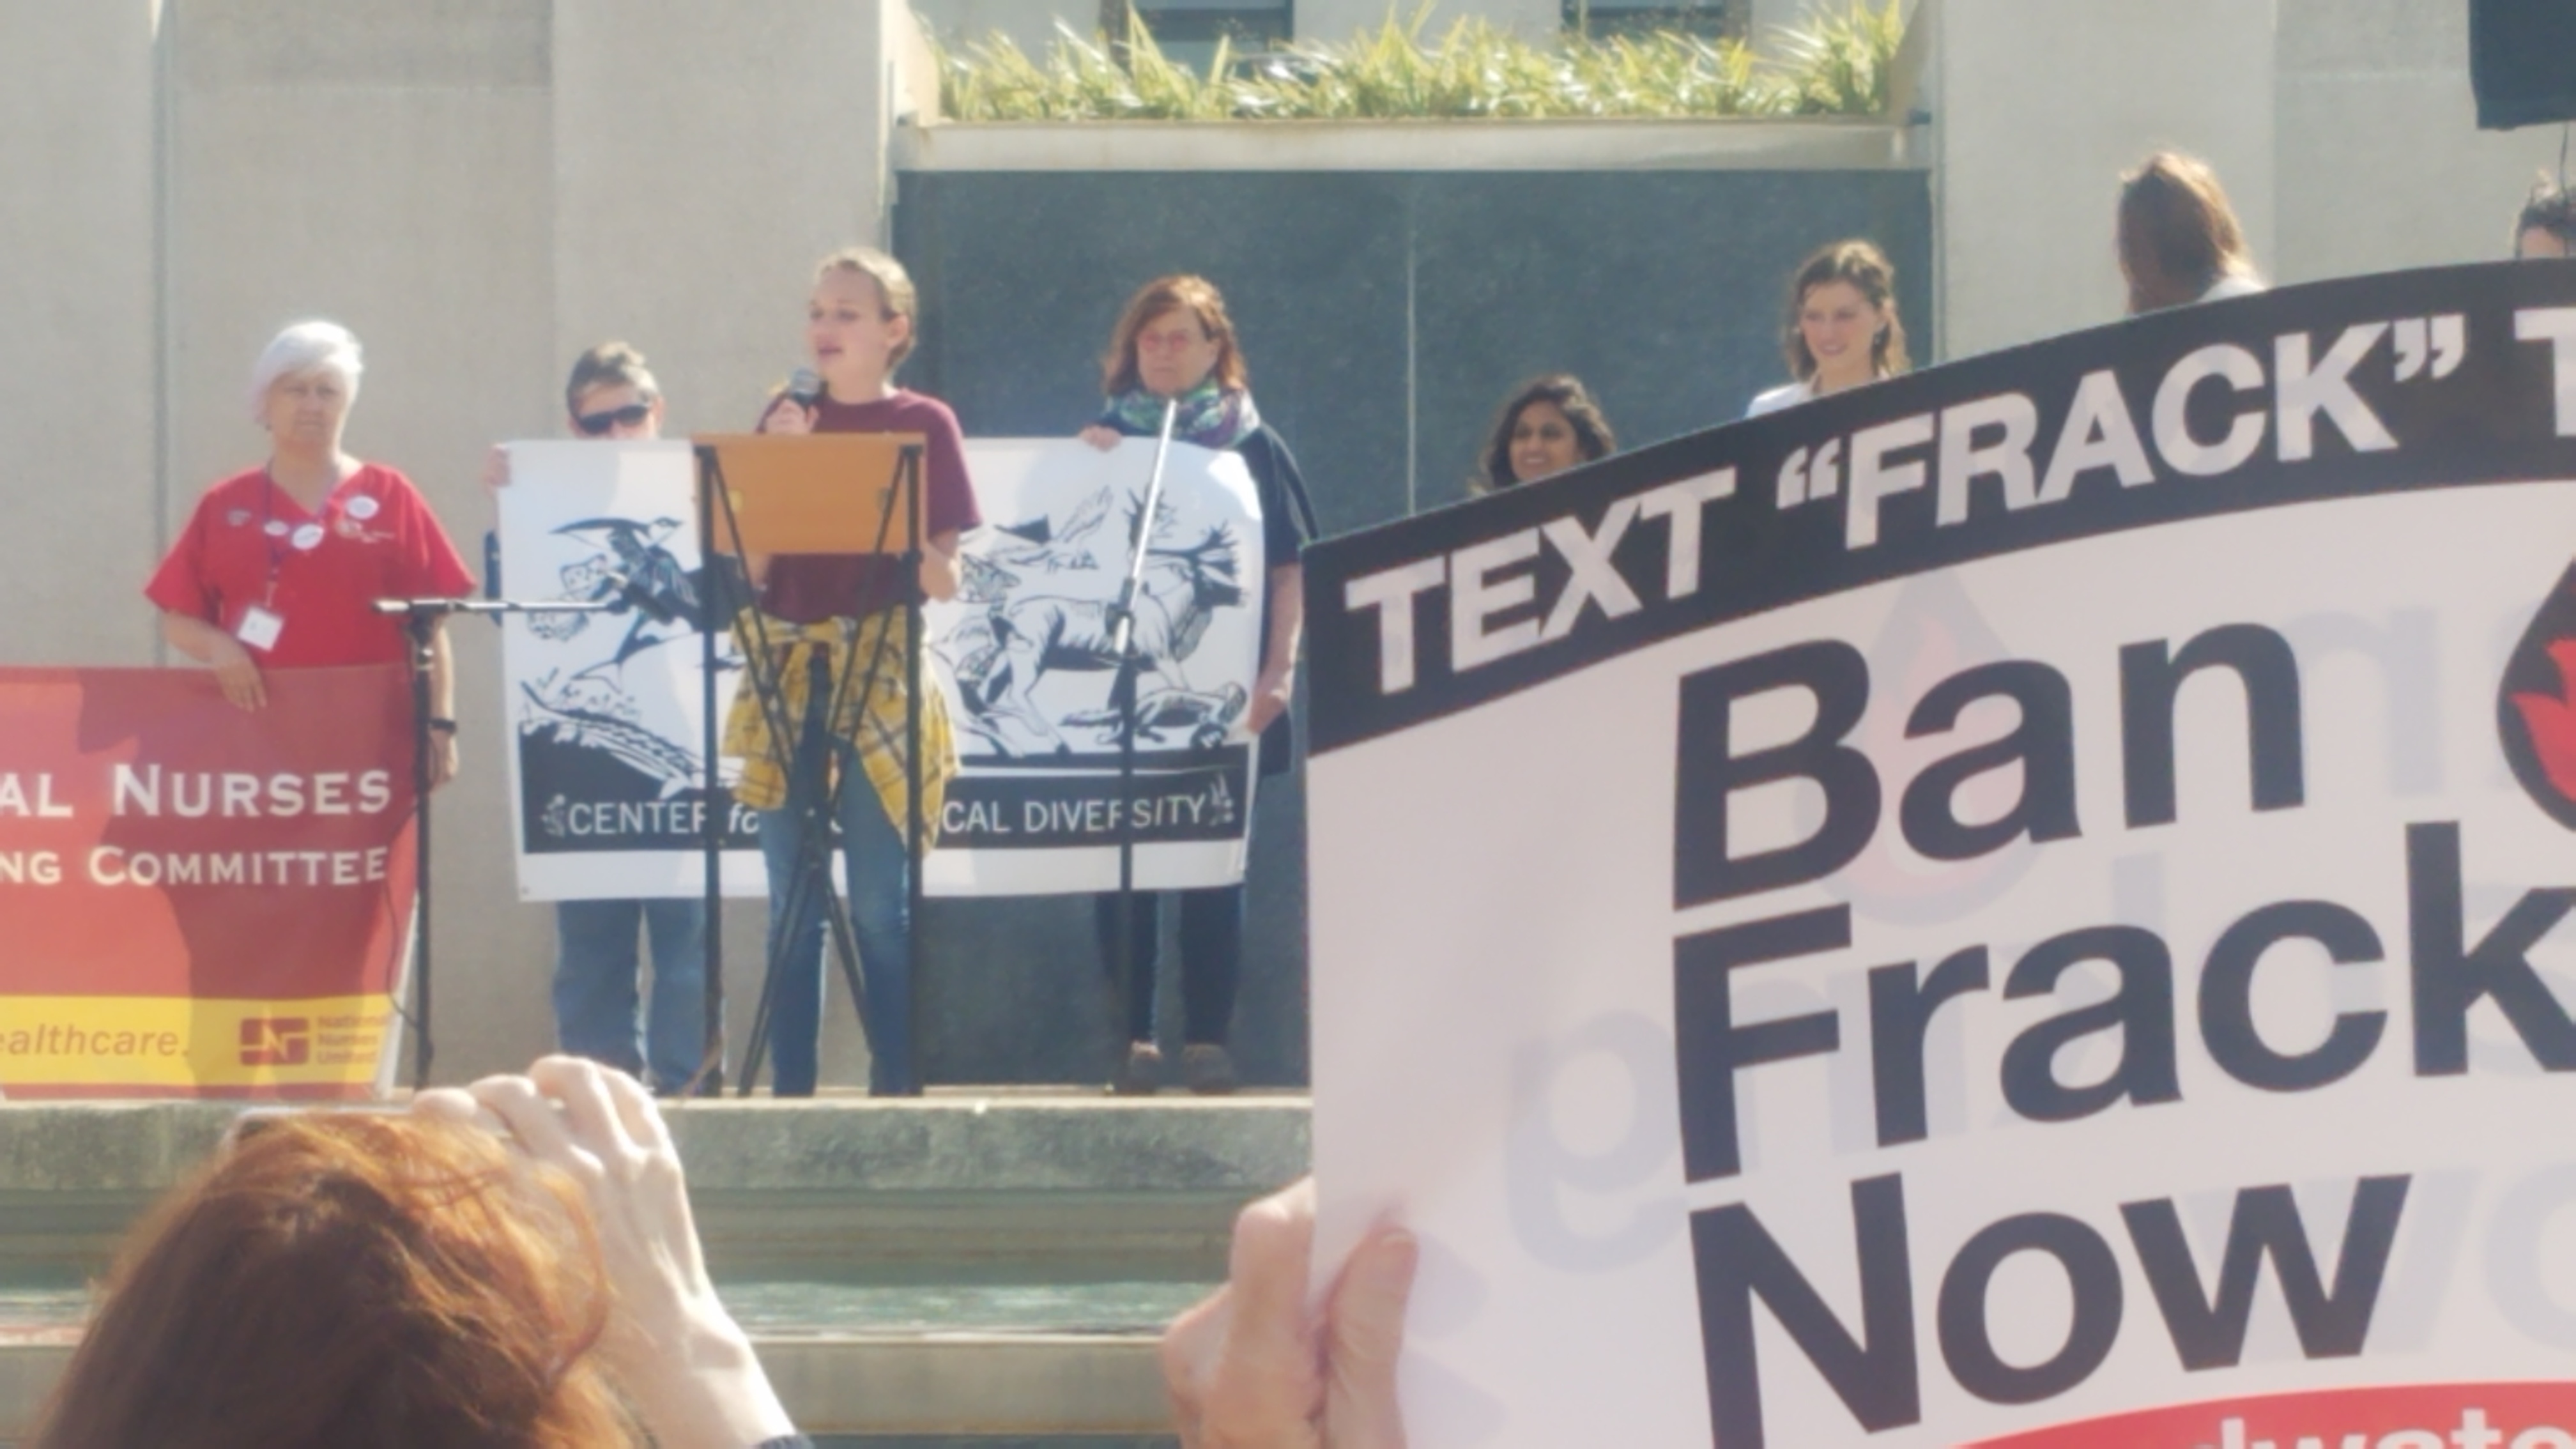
(1122, 695)
(421, 618)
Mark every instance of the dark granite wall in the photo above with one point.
(1384, 316)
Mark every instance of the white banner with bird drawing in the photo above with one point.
(1026, 655)
(605, 709)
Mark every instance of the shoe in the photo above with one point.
(1142, 1073)
(1207, 1069)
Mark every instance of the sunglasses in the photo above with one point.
(597, 424)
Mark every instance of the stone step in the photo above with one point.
(976, 1184)
(970, 1263)
(1001, 1385)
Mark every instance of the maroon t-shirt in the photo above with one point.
(805, 588)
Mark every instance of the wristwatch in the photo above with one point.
(442, 724)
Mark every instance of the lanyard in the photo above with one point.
(269, 533)
(274, 533)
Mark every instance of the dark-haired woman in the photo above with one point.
(2179, 239)
(1843, 330)
(1547, 425)
(1175, 344)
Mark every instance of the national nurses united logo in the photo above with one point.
(2536, 708)
(276, 1041)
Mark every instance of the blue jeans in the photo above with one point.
(595, 980)
(877, 875)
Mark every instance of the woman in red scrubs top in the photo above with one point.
(280, 566)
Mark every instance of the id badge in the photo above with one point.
(259, 627)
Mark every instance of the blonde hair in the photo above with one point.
(894, 290)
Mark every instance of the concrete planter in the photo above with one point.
(1824, 144)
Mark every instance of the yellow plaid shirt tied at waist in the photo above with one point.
(870, 714)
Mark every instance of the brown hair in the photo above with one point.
(1592, 435)
(894, 290)
(2550, 208)
(2177, 234)
(350, 1279)
(1866, 269)
(610, 364)
(1179, 292)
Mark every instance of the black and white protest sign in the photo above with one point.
(1025, 656)
(607, 744)
(2022, 904)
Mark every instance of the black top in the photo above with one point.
(1287, 523)
(1287, 518)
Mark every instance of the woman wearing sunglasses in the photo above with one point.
(612, 396)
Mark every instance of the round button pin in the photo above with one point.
(309, 536)
(275, 528)
(362, 508)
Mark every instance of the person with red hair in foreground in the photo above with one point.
(512, 1264)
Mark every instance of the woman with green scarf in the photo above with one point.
(1175, 344)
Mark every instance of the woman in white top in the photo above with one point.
(1843, 329)
(2179, 239)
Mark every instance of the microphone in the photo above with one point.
(805, 386)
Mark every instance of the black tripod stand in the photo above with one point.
(836, 683)
(421, 619)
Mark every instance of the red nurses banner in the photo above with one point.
(2026, 905)
(196, 900)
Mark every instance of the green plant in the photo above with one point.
(1836, 64)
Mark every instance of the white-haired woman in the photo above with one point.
(280, 565)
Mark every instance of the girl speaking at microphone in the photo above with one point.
(859, 327)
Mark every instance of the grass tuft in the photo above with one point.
(1835, 64)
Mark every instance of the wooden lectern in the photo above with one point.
(806, 493)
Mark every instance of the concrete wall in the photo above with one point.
(78, 131)
(704, 156)
(478, 188)
(2039, 105)
(2344, 131)
(2380, 164)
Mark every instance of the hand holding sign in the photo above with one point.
(2049, 855)
(1252, 1368)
